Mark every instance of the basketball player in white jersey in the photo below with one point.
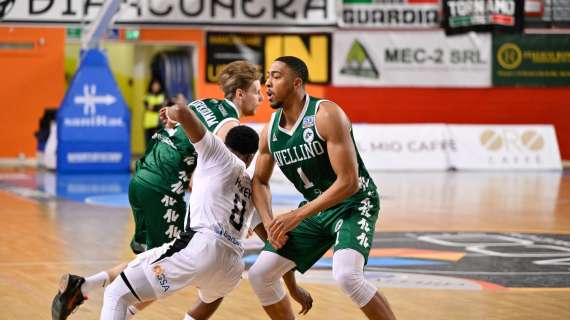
(209, 257)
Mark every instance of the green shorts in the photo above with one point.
(349, 224)
(159, 216)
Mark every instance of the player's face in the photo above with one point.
(252, 99)
(279, 83)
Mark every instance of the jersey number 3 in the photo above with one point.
(236, 218)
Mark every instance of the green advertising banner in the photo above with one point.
(531, 60)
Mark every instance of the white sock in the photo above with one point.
(188, 317)
(131, 311)
(99, 280)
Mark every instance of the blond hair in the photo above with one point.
(237, 75)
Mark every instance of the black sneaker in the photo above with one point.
(68, 298)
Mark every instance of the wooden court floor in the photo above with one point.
(43, 237)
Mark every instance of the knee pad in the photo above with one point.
(265, 277)
(348, 274)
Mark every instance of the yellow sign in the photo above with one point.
(313, 49)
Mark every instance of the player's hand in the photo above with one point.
(303, 297)
(281, 225)
(166, 122)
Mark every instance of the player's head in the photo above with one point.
(239, 81)
(243, 141)
(285, 77)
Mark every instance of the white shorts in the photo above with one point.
(207, 263)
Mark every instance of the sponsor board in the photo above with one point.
(398, 147)
(533, 60)
(417, 59)
(458, 260)
(505, 147)
(461, 16)
(262, 49)
(384, 14)
(93, 124)
(175, 12)
(547, 13)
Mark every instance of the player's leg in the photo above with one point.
(354, 229)
(265, 278)
(306, 245)
(348, 265)
(129, 288)
(138, 243)
(163, 216)
(215, 279)
(202, 310)
(152, 275)
(74, 290)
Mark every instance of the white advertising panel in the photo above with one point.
(411, 59)
(400, 147)
(505, 147)
(175, 12)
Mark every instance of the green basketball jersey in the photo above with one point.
(170, 158)
(215, 113)
(302, 154)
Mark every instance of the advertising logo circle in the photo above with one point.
(532, 140)
(509, 56)
(491, 140)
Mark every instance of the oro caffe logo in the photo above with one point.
(511, 140)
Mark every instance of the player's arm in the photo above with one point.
(302, 296)
(260, 182)
(192, 126)
(334, 127)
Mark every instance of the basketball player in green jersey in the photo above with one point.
(311, 141)
(156, 191)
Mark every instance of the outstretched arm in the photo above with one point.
(334, 127)
(263, 170)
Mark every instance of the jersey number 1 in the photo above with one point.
(236, 218)
(307, 183)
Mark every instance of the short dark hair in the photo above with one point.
(242, 139)
(297, 65)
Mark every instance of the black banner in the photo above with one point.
(461, 16)
(223, 48)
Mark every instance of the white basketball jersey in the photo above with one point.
(221, 198)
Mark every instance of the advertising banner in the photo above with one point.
(175, 12)
(399, 147)
(510, 147)
(382, 14)
(262, 49)
(547, 13)
(411, 59)
(531, 60)
(461, 16)
(93, 121)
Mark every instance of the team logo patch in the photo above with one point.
(161, 278)
(223, 111)
(308, 135)
(308, 121)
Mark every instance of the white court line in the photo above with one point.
(466, 272)
(41, 263)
